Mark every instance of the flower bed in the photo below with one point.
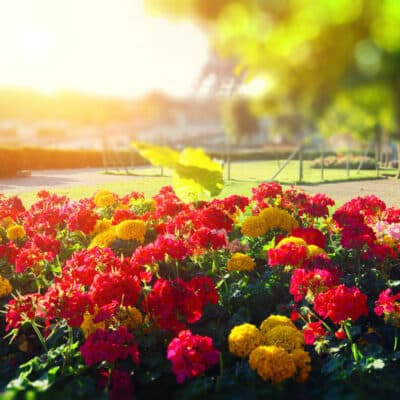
(266, 295)
(353, 162)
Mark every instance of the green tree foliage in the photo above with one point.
(239, 121)
(309, 49)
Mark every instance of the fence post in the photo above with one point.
(300, 164)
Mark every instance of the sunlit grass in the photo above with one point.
(244, 176)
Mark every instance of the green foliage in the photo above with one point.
(195, 177)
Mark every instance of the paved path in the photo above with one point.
(387, 189)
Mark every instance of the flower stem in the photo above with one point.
(221, 374)
(40, 336)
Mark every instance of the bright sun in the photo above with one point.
(105, 47)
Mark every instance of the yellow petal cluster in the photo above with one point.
(302, 360)
(243, 339)
(102, 225)
(313, 250)
(277, 218)
(104, 198)
(275, 320)
(132, 318)
(5, 287)
(103, 239)
(275, 351)
(240, 262)
(285, 336)
(131, 229)
(272, 363)
(292, 239)
(15, 232)
(88, 326)
(254, 226)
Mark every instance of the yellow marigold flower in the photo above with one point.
(132, 318)
(103, 239)
(15, 232)
(5, 287)
(292, 239)
(240, 262)
(284, 336)
(254, 226)
(131, 229)
(88, 326)
(275, 320)
(277, 218)
(313, 250)
(102, 225)
(104, 198)
(302, 360)
(272, 363)
(243, 339)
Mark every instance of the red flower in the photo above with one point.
(387, 303)
(317, 205)
(315, 281)
(109, 346)
(312, 331)
(115, 285)
(287, 254)
(82, 220)
(357, 236)
(341, 303)
(264, 193)
(21, 309)
(191, 355)
(208, 238)
(173, 303)
(311, 236)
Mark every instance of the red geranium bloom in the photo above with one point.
(312, 331)
(341, 303)
(311, 236)
(387, 303)
(314, 281)
(287, 254)
(109, 346)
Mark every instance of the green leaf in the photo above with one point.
(159, 156)
(196, 176)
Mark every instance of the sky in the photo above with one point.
(99, 47)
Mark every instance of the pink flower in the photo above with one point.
(191, 355)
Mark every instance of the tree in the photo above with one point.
(240, 123)
(310, 50)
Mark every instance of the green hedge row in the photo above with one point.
(13, 160)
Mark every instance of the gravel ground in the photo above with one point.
(387, 189)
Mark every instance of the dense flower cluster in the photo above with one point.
(240, 262)
(125, 274)
(341, 303)
(191, 355)
(109, 346)
(275, 350)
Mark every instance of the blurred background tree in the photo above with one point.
(311, 51)
(239, 121)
